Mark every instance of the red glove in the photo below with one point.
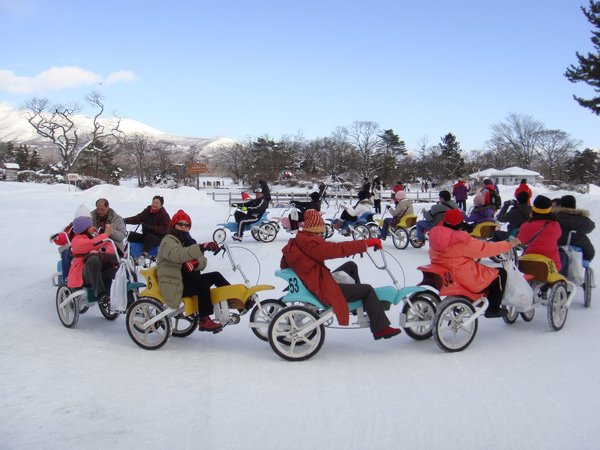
(190, 265)
(212, 246)
(374, 242)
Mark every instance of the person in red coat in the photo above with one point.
(451, 247)
(523, 187)
(541, 233)
(306, 255)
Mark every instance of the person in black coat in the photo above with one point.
(573, 219)
(518, 214)
(250, 212)
(155, 224)
(314, 203)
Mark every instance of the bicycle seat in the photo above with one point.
(407, 221)
(540, 267)
(484, 230)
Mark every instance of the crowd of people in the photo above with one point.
(540, 225)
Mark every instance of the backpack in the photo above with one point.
(495, 199)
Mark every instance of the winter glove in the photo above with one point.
(211, 246)
(374, 242)
(244, 209)
(190, 265)
(235, 205)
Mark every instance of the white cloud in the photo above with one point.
(57, 78)
(121, 75)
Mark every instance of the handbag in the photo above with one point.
(118, 290)
(517, 292)
(575, 271)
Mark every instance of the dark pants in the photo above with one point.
(365, 292)
(66, 257)
(377, 205)
(462, 204)
(495, 291)
(98, 274)
(148, 239)
(196, 283)
(243, 219)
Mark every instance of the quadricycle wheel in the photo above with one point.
(412, 238)
(153, 336)
(587, 287)
(287, 335)
(183, 326)
(374, 230)
(360, 232)
(527, 316)
(255, 234)
(219, 235)
(419, 317)
(450, 331)
(260, 318)
(512, 316)
(557, 305)
(328, 230)
(400, 238)
(106, 312)
(267, 232)
(69, 313)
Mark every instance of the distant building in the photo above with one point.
(509, 176)
(11, 170)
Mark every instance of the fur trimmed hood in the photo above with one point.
(573, 211)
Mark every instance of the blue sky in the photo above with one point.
(245, 69)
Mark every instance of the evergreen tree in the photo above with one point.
(453, 161)
(35, 161)
(97, 161)
(22, 157)
(389, 156)
(588, 69)
(584, 167)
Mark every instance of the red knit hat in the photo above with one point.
(179, 216)
(313, 222)
(453, 217)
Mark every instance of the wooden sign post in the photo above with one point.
(196, 169)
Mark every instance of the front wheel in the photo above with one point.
(261, 317)
(374, 230)
(412, 238)
(267, 232)
(219, 235)
(68, 314)
(557, 306)
(328, 230)
(587, 288)
(511, 317)
(400, 238)
(106, 312)
(183, 326)
(255, 234)
(528, 315)
(360, 232)
(153, 336)
(419, 316)
(450, 331)
(285, 335)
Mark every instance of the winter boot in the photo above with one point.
(207, 324)
(386, 333)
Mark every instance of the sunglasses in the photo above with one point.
(183, 224)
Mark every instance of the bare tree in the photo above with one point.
(366, 140)
(519, 135)
(235, 160)
(138, 149)
(555, 148)
(58, 123)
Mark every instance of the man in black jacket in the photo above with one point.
(250, 212)
(573, 219)
(518, 214)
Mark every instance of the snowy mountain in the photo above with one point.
(14, 127)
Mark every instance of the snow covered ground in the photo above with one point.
(515, 387)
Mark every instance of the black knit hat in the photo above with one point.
(542, 205)
(522, 197)
(568, 201)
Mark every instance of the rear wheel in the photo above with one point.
(360, 232)
(267, 232)
(254, 233)
(412, 238)
(557, 306)
(400, 238)
(69, 313)
(328, 231)
(511, 317)
(419, 317)
(587, 288)
(528, 315)
(260, 318)
(219, 235)
(450, 331)
(374, 230)
(285, 329)
(183, 325)
(154, 336)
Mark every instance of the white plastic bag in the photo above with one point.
(517, 292)
(342, 277)
(575, 273)
(118, 290)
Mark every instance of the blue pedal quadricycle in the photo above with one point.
(262, 230)
(297, 331)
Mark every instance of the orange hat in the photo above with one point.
(180, 215)
(453, 217)
(313, 222)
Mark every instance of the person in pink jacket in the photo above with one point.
(94, 261)
(456, 251)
